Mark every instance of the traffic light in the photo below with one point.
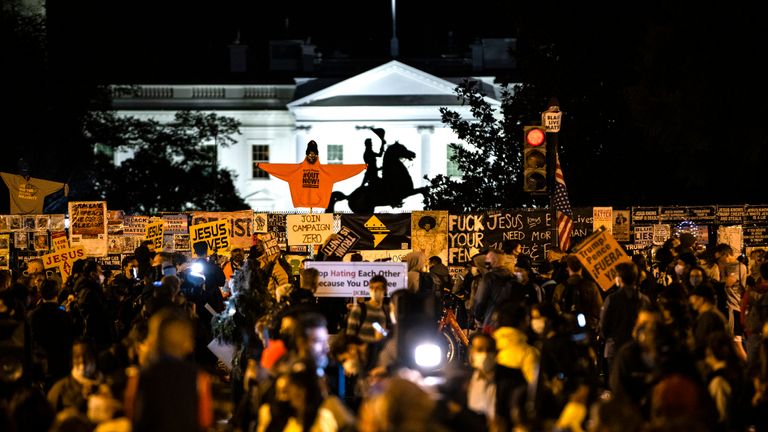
(534, 159)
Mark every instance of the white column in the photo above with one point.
(426, 156)
(302, 137)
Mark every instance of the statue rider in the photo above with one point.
(369, 157)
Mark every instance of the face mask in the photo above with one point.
(519, 276)
(537, 325)
(478, 360)
(679, 269)
(696, 281)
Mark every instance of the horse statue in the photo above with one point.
(394, 186)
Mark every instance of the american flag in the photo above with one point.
(563, 208)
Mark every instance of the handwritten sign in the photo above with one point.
(63, 260)
(308, 229)
(215, 234)
(351, 279)
(270, 243)
(466, 234)
(600, 254)
(155, 234)
(534, 229)
(732, 235)
(661, 233)
(88, 218)
(88, 226)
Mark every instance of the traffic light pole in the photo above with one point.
(550, 119)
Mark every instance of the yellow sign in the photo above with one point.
(600, 254)
(154, 234)
(215, 234)
(63, 260)
(378, 229)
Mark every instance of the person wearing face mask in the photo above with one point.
(481, 390)
(363, 315)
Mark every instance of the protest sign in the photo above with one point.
(88, 226)
(154, 234)
(215, 234)
(600, 254)
(63, 260)
(351, 279)
(308, 229)
(338, 247)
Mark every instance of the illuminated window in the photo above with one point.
(335, 153)
(260, 154)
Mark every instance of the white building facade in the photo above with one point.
(277, 121)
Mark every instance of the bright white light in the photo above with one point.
(428, 355)
(582, 320)
(197, 268)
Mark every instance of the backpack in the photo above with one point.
(364, 314)
(570, 301)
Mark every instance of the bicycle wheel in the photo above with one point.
(451, 346)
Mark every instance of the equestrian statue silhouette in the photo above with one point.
(391, 189)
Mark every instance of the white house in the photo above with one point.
(279, 120)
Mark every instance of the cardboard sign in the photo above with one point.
(215, 234)
(308, 229)
(350, 279)
(154, 234)
(338, 247)
(600, 254)
(88, 226)
(63, 260)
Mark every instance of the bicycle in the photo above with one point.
(456, 340)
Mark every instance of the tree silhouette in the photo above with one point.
(171, 167)
(491, 161)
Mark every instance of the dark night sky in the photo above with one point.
(664, 85)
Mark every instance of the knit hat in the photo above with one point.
(312, 147)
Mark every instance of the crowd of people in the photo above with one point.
(680, 341)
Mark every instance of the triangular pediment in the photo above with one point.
(387, 84)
